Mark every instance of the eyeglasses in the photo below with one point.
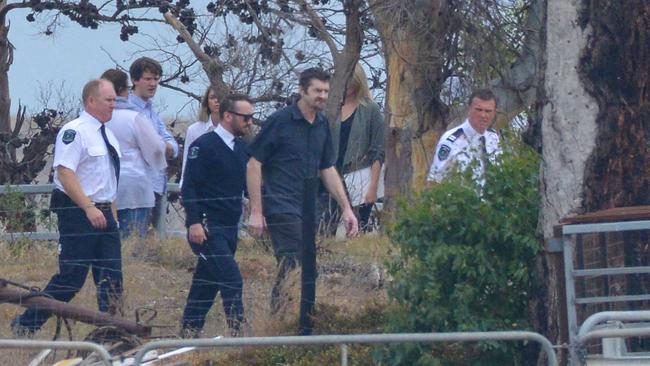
(246, 117)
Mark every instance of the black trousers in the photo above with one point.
(286, 237)
(216, 271)
(82, 248)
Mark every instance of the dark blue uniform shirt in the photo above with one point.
(290, 150)
(214, 181)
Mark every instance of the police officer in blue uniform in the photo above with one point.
(86, 170)
(472, 144)
(213, 186)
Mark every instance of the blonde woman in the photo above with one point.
(359, 140)
(208, 121)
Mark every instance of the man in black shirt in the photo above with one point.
(293, 145)
(212, 191)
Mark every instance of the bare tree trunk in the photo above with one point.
(5, 62)
(568, 137)
(594, 131)
(345, 60)
(413, 34)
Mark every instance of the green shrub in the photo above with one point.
(466, 262)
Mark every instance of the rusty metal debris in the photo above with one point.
(31, 299)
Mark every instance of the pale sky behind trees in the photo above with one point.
(72, 55)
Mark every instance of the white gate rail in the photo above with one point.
(34, 344)
(344, 340)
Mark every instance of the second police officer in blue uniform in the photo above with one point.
(473, 143)
(213, 186)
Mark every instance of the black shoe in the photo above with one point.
(21, 331)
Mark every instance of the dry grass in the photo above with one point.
(350, 276)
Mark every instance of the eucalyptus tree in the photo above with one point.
(436, 51)
(594, 128)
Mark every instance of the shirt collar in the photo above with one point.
(92, 120)
(296, 114)
(225, 135)
(144, 104)
(210, 122)
(470, 131)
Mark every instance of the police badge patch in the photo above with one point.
(194, 152)
(68, 136)
(443, 153)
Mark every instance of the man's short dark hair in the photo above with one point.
(118, 78)
(227, 104)
(482, 94)
(312, 73)
(139, 66)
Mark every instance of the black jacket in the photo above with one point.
(214, 181)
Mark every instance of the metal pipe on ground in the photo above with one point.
(71, 311)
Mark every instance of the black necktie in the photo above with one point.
(112, 152)
(484, 154)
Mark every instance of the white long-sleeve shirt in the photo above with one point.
(142, 150)
(158, 177)
(195, 130)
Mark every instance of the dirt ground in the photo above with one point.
(350, 275)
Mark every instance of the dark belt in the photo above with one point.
(103, 205)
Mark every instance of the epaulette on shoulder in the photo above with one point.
(492, 130)
(458, 133)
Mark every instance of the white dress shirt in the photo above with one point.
(142, 149)
(226, 136)
(460, 146)
(158, 177)
(195, 130)
(83, 151)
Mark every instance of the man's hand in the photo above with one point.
(96, 217)
(351, 224)
(371, 196)
(256, 224)
(197, 234)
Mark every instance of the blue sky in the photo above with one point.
(74, 55)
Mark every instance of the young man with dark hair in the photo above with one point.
(213, 187)
(142, 148)
(293, 145)
(145, 75)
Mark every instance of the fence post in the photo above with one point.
(308, 256)
(161, 223)
(344, 354)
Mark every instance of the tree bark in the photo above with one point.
(413, 34)
(6, 58)
(345, 60)
(568, 138)
(615, 69)
(594, 130)
(569, 126)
